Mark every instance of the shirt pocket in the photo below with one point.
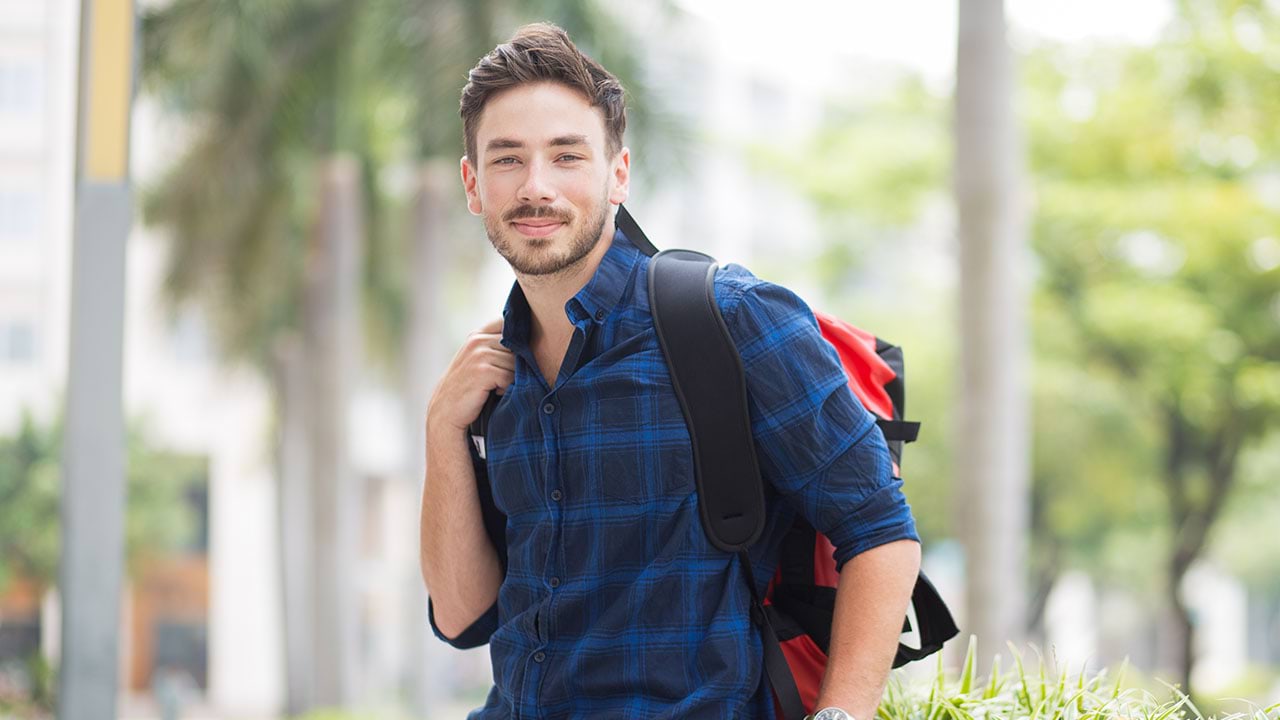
(644, 454)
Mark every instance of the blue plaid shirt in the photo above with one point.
(615, 604)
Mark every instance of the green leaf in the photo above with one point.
(994, 684)
(970, 665)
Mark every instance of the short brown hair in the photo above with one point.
(542, 52)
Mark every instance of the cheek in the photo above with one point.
(588, 189)
(488, 195)
(499, 187)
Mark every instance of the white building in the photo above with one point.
(37, 97)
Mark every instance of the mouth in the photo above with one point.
(537, 228)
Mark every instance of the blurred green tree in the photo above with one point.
(1156, 235)
(157, 519)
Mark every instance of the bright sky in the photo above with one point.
(917, 33)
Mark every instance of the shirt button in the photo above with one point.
(555, 582)
(599, 315)
(556, 495)
(549, 408)
(539, 657)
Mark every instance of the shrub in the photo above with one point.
(1019, 694)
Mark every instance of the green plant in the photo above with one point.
(44, 681)
(1038, 693)
(26, 689)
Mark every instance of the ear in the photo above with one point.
(620, 177)
(470, 185)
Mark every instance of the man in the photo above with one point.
(613, 603)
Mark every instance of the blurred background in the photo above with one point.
(1080, 258)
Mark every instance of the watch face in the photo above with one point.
(832, 714)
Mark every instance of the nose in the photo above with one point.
(537, 187)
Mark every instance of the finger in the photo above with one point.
(493, 326)
(495, 367)
(504, 360)
(495, 342)
(504, 379)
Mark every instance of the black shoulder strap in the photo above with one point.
(627, 224)
(711, 386)
(712, 389)
(495, 522)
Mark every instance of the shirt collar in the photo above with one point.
(593, 303)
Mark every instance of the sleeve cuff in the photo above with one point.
(475, 635)
(884, 517)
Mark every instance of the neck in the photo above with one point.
(547, 294)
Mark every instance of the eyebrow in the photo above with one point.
(561, 141)
(503, 144)
(568, 140)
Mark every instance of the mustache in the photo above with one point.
(531, 212)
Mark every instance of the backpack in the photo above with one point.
(794, 615)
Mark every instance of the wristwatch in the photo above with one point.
(830, 713)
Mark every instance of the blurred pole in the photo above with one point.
(992, 448)
(424, 681)
(294, 513)
(331, 334)
(93, 489)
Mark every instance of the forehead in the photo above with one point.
(535, 113)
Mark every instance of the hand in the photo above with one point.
(481, 365)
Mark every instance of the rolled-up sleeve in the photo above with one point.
(476, 634)
(815, 442)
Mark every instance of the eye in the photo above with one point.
(569, 157)
(505, 161)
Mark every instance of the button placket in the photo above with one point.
(550, 422)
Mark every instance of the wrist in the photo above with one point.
(438, 426)
(440, 434)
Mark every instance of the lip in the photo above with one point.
(540, 228)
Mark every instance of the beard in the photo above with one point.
(539, 256)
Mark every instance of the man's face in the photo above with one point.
(543, 182)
